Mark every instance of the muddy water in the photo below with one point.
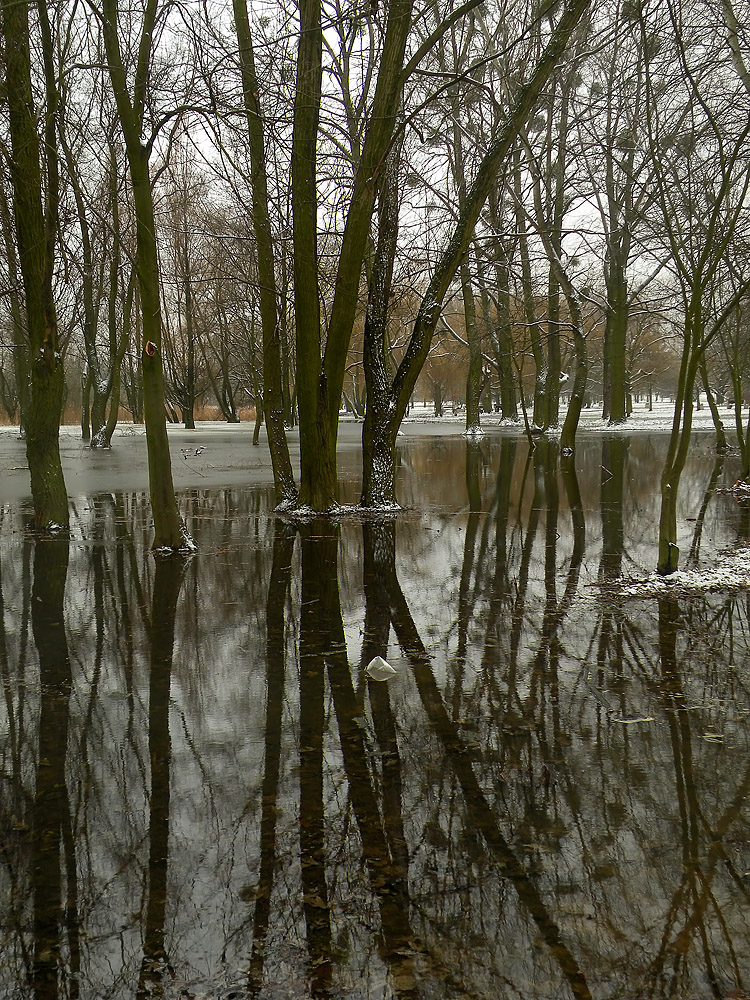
(203, 794)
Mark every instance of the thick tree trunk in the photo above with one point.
(379, 430)
(35, 236)
(20, 342)
(580, 379)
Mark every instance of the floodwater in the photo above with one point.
(203, 794)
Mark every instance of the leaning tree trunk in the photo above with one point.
(721, 437)
(679, 442)
(428, 314)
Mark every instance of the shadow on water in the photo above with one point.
(204, 793)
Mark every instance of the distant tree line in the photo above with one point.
(311, 206)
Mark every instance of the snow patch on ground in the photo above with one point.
(642, 419)
(731, 572)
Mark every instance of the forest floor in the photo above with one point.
(218, 454)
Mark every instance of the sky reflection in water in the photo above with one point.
(202, 793)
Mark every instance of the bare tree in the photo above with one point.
(700, 149)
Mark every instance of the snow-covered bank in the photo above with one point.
(643, 419)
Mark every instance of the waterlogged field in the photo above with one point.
(203, 793)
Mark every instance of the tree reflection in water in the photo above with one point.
(209, 796)
(155, 965)
(53, 886)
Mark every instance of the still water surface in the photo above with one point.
(202, 793)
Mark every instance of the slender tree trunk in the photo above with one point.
(537, 348)
(474, 373)
(169, 531)
(318, 487)
(273, 394)
(615, 340)
(679, 442)
(188, 410)
(118, 345)
(504, 335)
(721, 438)
(93, 418)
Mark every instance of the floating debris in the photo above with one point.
(379, 669)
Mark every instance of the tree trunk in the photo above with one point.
(35, 236)
(320, 382)
(679, 442)
(379, 431)
(504, 335)
(318, 486)
(474, 373)
(273, 381)
(580, 379)
(169, 531)
(20, 342)
(537, 348)
(721, 438)
(615, 338)
(408, 371)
